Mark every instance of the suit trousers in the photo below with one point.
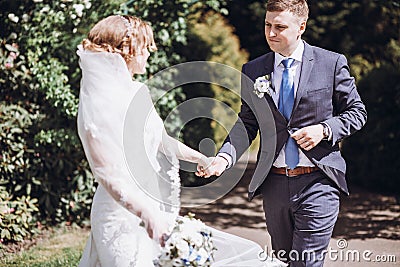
(300, 215)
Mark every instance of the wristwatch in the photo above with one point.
(325, 130)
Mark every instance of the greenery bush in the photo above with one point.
(39, 107)
(41, 155)
(224, 47)
(377, 144)
(210, 32)
(16, 217)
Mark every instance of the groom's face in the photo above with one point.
(283, 31)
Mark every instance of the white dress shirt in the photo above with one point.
(294, 72)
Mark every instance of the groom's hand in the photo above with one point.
(308, 137)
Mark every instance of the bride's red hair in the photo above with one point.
(111, 35)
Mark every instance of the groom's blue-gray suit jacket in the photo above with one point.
(326, 93)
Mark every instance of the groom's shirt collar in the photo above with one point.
(297, 54)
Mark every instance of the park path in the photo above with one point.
(368, 224)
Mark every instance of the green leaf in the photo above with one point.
(5, 234)
(11, 48)
(18, 188)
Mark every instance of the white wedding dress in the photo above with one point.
(131, 158)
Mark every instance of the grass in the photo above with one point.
(62, 248)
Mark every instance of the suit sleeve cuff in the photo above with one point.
(329, 138)
(226, 157)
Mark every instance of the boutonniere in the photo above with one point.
(263, 85)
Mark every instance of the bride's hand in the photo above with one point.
(203, 164)
(157, 228)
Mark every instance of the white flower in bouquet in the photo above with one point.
(263, 85)
(197, 239)
(203, 256)
(191, 226)
(182, 248)
(190, 244)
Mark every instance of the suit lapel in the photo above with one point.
(265, 120)
(267, 68)
(259, 103)
(269, 63)
(307, 65)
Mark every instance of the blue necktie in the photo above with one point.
(286, 101)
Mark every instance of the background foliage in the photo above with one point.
(41, 155)
(210, 38)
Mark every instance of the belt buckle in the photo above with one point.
(287, 173)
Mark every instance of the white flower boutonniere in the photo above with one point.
(263, 85)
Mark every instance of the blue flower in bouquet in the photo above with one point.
(190, 244)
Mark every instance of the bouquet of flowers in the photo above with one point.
(190, 244)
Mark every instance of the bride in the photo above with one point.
(131, 156)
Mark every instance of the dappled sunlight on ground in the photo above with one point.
(367, 221)
(362, 215)
(368, 215)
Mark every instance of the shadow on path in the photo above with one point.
(363, 214)
(368, 215)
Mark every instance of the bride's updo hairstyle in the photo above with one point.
(125, 35)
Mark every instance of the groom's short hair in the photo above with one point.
(298, 7)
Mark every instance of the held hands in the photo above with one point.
(308, 137)
(217, 167)
(204, 162)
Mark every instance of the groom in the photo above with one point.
(311, 106)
